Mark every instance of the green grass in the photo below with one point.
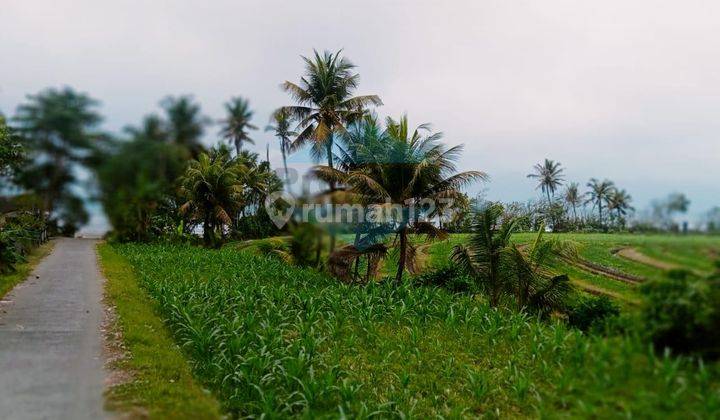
(690, 251)
(22, 270)
(162, 385)
(270, 339)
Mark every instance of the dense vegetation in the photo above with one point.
(276, 340)
(389, 315)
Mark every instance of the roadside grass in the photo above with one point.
(22, 270)
(161, 383)
(275, 340)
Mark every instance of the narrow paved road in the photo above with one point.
(51, 363)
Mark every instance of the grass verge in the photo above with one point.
(162, 385)
(8, 281)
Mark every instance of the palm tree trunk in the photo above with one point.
(318, 250)
(330, 160)
(368, 271)
(282, 149)
(403, 248)
(206, 230)
(357, 266)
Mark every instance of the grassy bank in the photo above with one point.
(693, 252)
(161, 384)
(22, 270)
(276, 340)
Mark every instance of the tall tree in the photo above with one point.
(403, 167)
(599, 194)
(549, 176)
(325, 102)
(677, 203)
(213, 190)
(11, 151)
(58, 128)
(237, 123)
(137, 180)
(152, 128)
(185, 122)
(572, 197)
(619, 201)
(280, 125)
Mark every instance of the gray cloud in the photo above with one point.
(617, 89)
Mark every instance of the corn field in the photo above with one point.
(274, 340)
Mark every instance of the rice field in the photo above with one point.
(692, 252)
(274, 340)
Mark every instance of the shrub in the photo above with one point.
(682, 313)
(448, 277)
(19, 233)
(591, 312)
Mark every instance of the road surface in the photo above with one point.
(51, 360)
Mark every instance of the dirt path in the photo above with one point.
(601, 270)
(51, 363)
(633, 254)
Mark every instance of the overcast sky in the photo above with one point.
(628, 90)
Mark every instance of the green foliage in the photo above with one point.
(270, 339)
(57, 127)
(325, 102)
(137, 188)
(400, 166)
(500, 268)
(549, 176)
(281, 121)
(184, 123)
(681, 312)
(482, 257)
(599, 194)
(11, 151)
(22, 270)
(591, 312)
(235, 125)
(213, 190)
(162, 384)
(20, 232)
(449, 277)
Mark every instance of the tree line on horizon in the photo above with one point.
(143, 178)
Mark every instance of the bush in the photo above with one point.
(19, 233)
(682, 313)
(447, 277)
(592, 312)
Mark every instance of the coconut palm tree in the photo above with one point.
(185, 123)
(325, 102)
(235, 125)
(599, 194)
(619, 201)
(549, 176)
(152, 128)
(280, 125)
(531, 281)
(400, 168)
(572, 197)
(213, 191)
(481, 257)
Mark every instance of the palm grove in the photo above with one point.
(159, 182)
